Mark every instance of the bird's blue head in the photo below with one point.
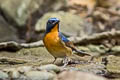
(52, 22)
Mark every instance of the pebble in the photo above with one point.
(40, 75)
(50, 67)
(24, 69)
(3, 75)
(14, 74)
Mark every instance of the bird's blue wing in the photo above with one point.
(63, 38)
(70, 44)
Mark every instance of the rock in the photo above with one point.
(32, 56)
(7, 32)
(97, 50)
(19, 10)
(76, 75)
(95, 68)
(24, 69)
(55, 5)
(3, 76)
(74, 5)
(14, 74)
(115, 50)
(22, 77)
(37, 55)
(39, 75)
(113, 64)
(70, 24)
(109, 3)
(50, 67)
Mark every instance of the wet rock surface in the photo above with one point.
(23, 63)
(49, 72)
(35, 63)
(46, 73)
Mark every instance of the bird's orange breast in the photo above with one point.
(51, 39)
(53, 44)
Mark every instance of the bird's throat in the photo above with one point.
(55, 29)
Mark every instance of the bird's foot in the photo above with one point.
(66, 61)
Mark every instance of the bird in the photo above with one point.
(57, 44)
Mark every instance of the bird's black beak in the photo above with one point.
(56, 22)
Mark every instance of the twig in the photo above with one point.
(14, 46)
(30, 45)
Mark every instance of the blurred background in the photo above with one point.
(25, 20)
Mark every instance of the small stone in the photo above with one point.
(50, 67)
(95, 68)
(39, 75)
(77, 75)
(97, 49)
(22, 77)
(116, 49)
(14, 74)
(3, 75)
(24, 69)
(113, 64)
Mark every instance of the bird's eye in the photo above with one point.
(52, 21)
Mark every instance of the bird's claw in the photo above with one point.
(66, 61)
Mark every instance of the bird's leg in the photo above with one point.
(54, 60)
(66, 61)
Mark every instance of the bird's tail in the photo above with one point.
(81, 53)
